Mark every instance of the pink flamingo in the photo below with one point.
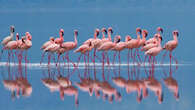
(106, 46)
(52, 48)
(154, 39)
(154, 51)
(70, 91)
(10, 37)
(118, 47)
(171, 45)
(12, 45)
(83, 49)
(61, 39)
(67, 46)
(27, 43)
(96, 33)
(45, 45)
(133, 43)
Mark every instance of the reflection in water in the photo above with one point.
(17, 82)
(105, 86)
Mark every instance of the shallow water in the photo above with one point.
(42, 98)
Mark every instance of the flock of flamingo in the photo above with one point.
(151, 47)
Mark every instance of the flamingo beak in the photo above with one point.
(97, 33)
(62, 33)
(111, 31)
(76, 33)
(105, 32)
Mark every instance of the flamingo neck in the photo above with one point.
(175, 38)
(95, 35)
(109, 36)
(12, 34)
(138, 36)
(75, 39)
(17, 38)
(103, 35)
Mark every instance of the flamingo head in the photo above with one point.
(17, 36)
(145, 33)
(28, 36)
(76, 32)
(117, 38)
(110, 30)
(97, 31)
(138, 30)
(12, 29)
(176, 33)
(62, 32)
(159, 29)
(104, 30)
(160, 37)
(51, 39)
(128, 38)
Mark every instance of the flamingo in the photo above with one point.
(96, 33)
(52, 48)
(152, 40)
(83, 49)
(171, 45)
(133, 43)
(106, 46)
(118, 47)
(67, 46)
(70, 91)
(150, 45)
(155, 50)
(27, 43)
(45, 45)
(10, 37)
(61, 38)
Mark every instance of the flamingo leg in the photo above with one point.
(128, 60)
(119, 58)
(42, 57)
(138, 55)
(58, 60)
(164, 55)
(103, 62)
(114, 58)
